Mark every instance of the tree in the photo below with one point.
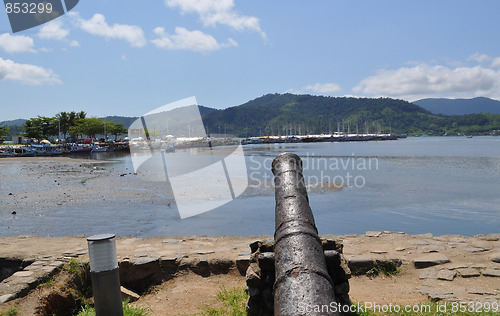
(63, 122)
(80, 115)
(41, 127)
(115, 129)
(90, 126)
(4, 132)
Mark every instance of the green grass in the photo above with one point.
(47, 282)
(384, 267)
(128, 310)
(230, 302)
(11, 312)
(81, 279)
(432, 309)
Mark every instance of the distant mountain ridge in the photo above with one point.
(18, 122)
(285, 114)
(460, 106)
(275, 114)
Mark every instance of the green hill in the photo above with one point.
(281, 114)
(272, 114)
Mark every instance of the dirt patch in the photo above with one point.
(184, 294)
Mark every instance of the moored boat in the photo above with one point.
(46, 150)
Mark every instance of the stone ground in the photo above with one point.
(449, 267)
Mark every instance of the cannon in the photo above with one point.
(302, 284)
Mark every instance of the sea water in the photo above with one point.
(441, 185)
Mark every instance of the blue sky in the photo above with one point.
(128, 57)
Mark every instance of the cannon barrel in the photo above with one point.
(302, 285)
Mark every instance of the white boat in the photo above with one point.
(98, 148)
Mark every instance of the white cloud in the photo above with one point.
(323, 88)
(26, 73)
(53, 30)
(496, 63)
(424, 80)
(74, 43)
(97, 25)
(213, 12)
(481, 58)
(16, 43)
(184, 39)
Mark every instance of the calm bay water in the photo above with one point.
(441, 185)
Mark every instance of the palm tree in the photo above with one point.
(81, 115)
(64, 122)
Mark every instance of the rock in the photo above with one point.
(424, 290)
(447, 275)
(126, 293)
(140, 255)
(419, 242)
(478, 266)
(252, 277)
(475, 249)
(430, 260)
(495, 257)
(468, 273)
(39, 263)
(380, 252)
(23, 274)
(253, 291)
(342, 288)
(400, 249)
(169, 259)
(242, 264)
(146, 260)
(457, 266)
(440, 295)
(170, 241)
(5, 298)
(359, 264)
(266, 261)
(430, 249)
(491, 273)
(481, 293)
(373, 234)
(204, 252)
(50, 269)
(428, 274)
(428, 235)
(490, 237)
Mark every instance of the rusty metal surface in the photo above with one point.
(303, 286)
